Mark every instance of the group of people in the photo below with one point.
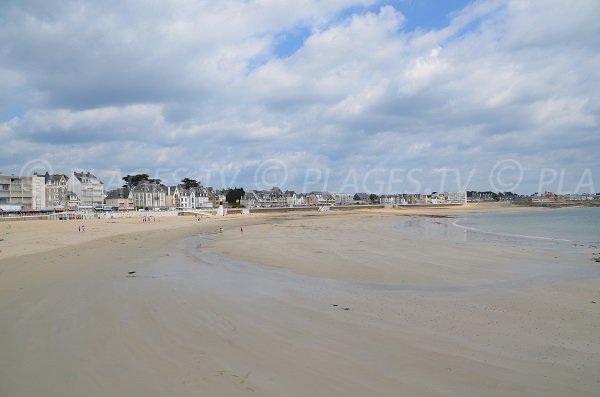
(81, 228)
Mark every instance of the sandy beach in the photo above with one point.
(348, 303)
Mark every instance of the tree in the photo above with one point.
(188, 183)
(356, 197)
(234, 195)
(373, 198)
(134, 180)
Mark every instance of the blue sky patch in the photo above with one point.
(290, 41)
(12, 113)
(426, 14)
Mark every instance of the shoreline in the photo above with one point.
(306, 246)
(19, 238)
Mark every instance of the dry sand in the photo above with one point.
(340, 304)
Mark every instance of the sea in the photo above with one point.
(572, 225)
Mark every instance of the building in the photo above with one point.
(22, 193)
(121, 199)
(149, 195)
(320, 199)
(16, 193)
(273, 198)
(388, 199)
(88, 188)
(38, 193)
(294, 199)
(72, 201)
(201, 197)
(343, 199)
(56, 190)
(395, 199)
(456, 197)
(448, 198)
(215, 197)
(197, 197)
(361, 198)
(171, 200)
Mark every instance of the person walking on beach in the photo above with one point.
(241, 230)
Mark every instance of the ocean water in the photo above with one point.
(575, 225)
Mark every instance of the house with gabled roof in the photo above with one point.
(149, 195)
(265, 199)
(320, 199)
(121, 199)
(56, 190)
(196, 197)
(88, 188)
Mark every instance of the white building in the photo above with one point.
(388, 199)
(295, 200)
(449, 198)
(193, 198)
(343, 198)
(150, 195)
(456, 197)
(88, 188)
(38, 193)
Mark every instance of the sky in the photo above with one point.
(405, 96)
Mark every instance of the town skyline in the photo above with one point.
(134, 179)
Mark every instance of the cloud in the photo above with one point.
(65, 126)
(206, 87)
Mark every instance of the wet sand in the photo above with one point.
(316, 304)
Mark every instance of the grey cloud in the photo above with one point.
(132, 85)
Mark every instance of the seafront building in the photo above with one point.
(72, 201)
(361, 198)
(83, 190)
(423, 199)
(38, 193)
(320, 199)
(22, 193)
(16, 193)
(197, 197)
(56, 190)
(149, 195)
(273, 198)
(88, 188)
(294, 199)
(120, 199)
(343, 198)
(449, 198)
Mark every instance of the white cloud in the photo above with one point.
(183, 84)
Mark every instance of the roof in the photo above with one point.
(54, 178)
(149, 187)
(119, 193)
(87, 175)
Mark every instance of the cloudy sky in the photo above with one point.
(339, 95)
